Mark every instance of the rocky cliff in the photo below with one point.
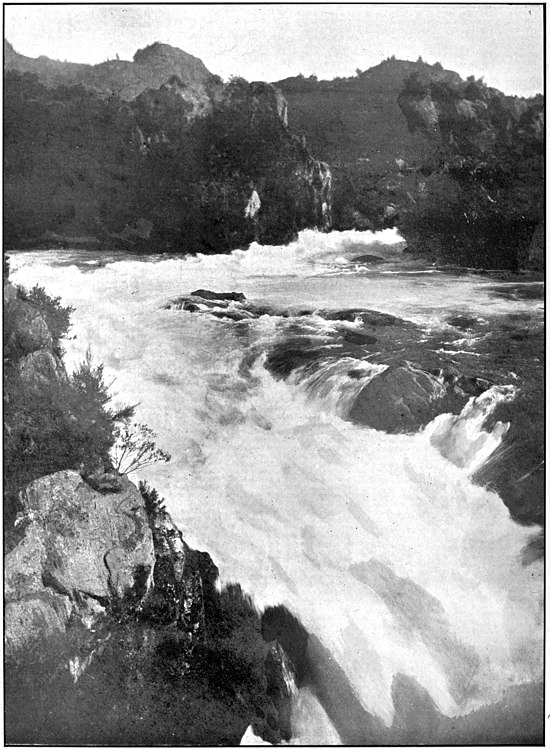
(480, 197)
(102, 593)
(152, 67)
(158, 143)
(80, 549)
(405, 153)
(355, 124)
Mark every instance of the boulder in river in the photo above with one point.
(225, 296)
(403, 399)
(369, 259)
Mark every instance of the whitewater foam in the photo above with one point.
(380, 544)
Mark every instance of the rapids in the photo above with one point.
(380, 544)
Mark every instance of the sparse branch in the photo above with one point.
(135, 447)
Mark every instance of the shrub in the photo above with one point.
(54, 425)
(57, 317)
(153, 502)
(139, 688)
(135, 447)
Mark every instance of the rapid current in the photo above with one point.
(407, 573)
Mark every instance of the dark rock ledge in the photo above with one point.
(116, 632)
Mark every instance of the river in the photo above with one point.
(406, 572)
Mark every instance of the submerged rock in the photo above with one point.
(516, 470)
(407, 396)
(370, 259)
(464, 322)
(226, 296)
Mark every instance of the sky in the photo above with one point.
(501, 42)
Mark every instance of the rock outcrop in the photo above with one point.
(401, 399)
(355, 125)
(29, 331)
(173, 148)
(152, 67)
(107, 606)
(482, 187)
(80, 549)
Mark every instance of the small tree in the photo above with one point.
(135, 447)
(57, 317)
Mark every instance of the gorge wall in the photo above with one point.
(409, 142)
(480, 201)
(158, 154)
(155, 154)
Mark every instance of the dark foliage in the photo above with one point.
(54, 425)
(153, 501)
(57, 316)
(69, 160)
(51, 421)
(86, 165)
(482, 189)
(139, 688)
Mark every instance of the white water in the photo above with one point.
(380, 544)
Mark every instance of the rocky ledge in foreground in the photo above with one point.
(116, 633)
(418, 374)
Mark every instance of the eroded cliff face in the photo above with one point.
(480, 195)
(171, 147)
(468, 118)
(151, 67)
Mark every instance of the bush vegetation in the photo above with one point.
(138, 688)
(483, 191)
(53, 424)
(87, 165)
(148, 681)
(134, 447)
(56, 315)
(54, 421)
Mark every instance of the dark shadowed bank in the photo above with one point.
(457, 165)
(155, 155)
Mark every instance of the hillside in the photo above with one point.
(155, 155)
(162, 144)
(351, 119)
(357, 126)
(152, 67)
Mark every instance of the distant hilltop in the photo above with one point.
(385, 77)
(152, 67)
